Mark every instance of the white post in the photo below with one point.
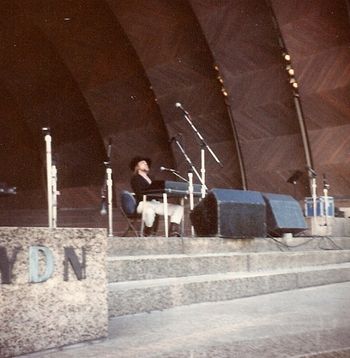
(325, 193)
(166, 219)
(203, 188)
(314, 196)
(49, 177)
(54, 196)
(144, 199)
(109, 198)
(190, 189)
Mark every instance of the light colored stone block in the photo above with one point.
(148, 295)
(53, 313)
(298, 259)
(341, 273)
(159, 294)
(160, 266)
(126, 246)
(328, 226)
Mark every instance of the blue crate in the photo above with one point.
(320, 206)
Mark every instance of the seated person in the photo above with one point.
(140, 181)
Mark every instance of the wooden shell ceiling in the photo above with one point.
(95, 70)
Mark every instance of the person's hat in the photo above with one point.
(138, 159)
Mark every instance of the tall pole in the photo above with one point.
(107, 190)
(48, 141)
(203, 188)
(234, 130)
(54, 195)
(237, 144)
(304, 137)
(109, 199)
(296, 97)
(190, 189)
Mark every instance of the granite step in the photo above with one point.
(145, 267)
(130, 297)
(126, 246)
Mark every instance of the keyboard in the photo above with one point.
(174, 188)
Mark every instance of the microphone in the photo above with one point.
(46, 130)
(311, 171)
(175, 137)
(179, 105)
(168, 170)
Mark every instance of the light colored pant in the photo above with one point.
(153, 207)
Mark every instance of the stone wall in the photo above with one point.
(330, 226)
(56, 312)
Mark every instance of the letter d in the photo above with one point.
(34, 274)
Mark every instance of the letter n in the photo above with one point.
(71, 257)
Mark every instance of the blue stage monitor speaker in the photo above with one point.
(283, 215)
(230, 213)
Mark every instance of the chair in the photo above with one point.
(128, 209)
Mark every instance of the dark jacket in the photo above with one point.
(139, 184)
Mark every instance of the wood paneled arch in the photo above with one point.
(17, 145)
(101, 69)
(87, 37)
(44, 90)
(317, 35)
(103, 62)
(171, 46)
(245, 45)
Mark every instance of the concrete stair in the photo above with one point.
(147, 274)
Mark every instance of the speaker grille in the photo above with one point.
(284, 214)
(230, 213)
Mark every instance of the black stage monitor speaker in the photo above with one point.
(283, 214)
(230, 213)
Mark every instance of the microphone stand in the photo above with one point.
(325, 193)
(190, 178)
(109, 199)
(106, 196)
(190, 190)
(182, 199)
(189, 161)
(48, 140)
(55, 192)
(107, 192)
(51, 177)
(179, 176)
(204, 146)
(313, 175)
